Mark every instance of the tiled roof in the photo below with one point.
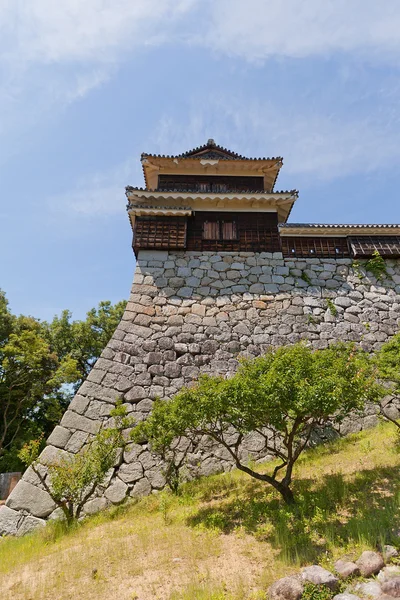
(130, 188)
(337, 225)
(210, 150)
(149, 207)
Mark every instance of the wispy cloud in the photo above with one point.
(260, 29)
(97, 195)
(326, 146)
(54, 53)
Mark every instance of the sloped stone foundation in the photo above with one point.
(192, 313)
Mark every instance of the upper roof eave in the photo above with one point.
(199, 157)
(198, 152)
(130, 189)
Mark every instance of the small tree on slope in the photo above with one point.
(74, 478)
(283, 396)
(388, 362)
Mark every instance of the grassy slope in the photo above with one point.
(224, 537)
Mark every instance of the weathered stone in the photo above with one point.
(370, 563)
(389, 552)
(287, 588)
(79, 404)
(369, 589)
(117, 492)
(59, 437)
(319, 576)
(30, 523)
(346, 568)
(392, 587)
(32, 499)
(346, 596)
(9, 520)
(388, 573)
(136, 393)
(52, 455)
(76, 442)
(95, 505)
(141, 488)
(72, 420)
(129, 473)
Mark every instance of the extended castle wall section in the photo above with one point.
(191, 313)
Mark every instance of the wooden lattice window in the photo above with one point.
(219, 230)
(314, 247)
(160, 232)
(366, 245)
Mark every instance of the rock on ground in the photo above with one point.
(392, 587)
(287, 588)
(319, 576)
(370, 563)
(346, 569)
(370, 589)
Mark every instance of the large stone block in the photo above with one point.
(9, 520)
(72, 420)
(28, 497)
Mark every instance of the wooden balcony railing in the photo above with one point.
(204, 188)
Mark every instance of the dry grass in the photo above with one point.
(224, 537)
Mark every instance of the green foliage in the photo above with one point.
(317, 592)
(376, 265)
(74, 478)
(37, 360)
(388, 363)
(83, 341)
(305, 277)
(284, 395)
(357, 269)
(332, 308)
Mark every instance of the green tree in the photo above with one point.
(30, 375)
(74, 478)
(84, 340)
(40, 365)
(283, 396)
(388, 362)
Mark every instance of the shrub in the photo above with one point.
(283, 396)
(74, 478)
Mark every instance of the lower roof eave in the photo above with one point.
(336, 230)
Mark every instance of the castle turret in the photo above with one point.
(208, 199)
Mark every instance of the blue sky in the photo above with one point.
(85, 87)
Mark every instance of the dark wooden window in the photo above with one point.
(160, 232)
(247, 232)
(219, 230)
(314, 247)
(210, 183)
(211, 230)
(365, 245)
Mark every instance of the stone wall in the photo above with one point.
(192, 313)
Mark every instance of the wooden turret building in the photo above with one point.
(212, 199)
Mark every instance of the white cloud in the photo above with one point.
(313, 145)
(71, 30)
(98, 194)
(260, 29)
(55, 52)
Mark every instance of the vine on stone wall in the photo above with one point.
(376, 265)
(332, 308)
